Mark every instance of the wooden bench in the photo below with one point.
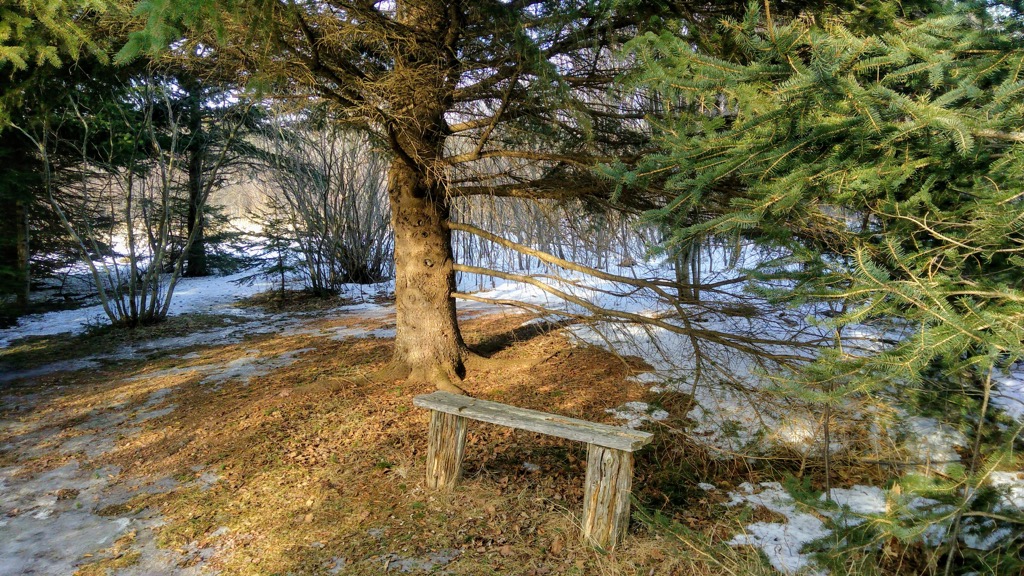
(609, 455)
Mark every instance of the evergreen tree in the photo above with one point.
(215, 120)
(32, 238)
(501, 98)
(36, 37)
(41, 33)
(888, 166)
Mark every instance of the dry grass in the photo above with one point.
(119, 556)
(321, 467)
(293, 301)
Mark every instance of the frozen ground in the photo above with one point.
(210, 295)
(63, 504)
(54, 521)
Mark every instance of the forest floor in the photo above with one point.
(250, 438)
(216, 444)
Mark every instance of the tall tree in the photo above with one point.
(37, 38)
(130, 160)
(214, 118)
(508, 99)
(18, 184)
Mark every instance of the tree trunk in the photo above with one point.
(22, 233)
(428, 344)
(14, 255)
(682, 268)
(196, 259)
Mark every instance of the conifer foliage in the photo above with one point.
(40, 32)
(889, 165)
(888, 168)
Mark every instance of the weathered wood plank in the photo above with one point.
(615, 437)
(606, 496)
(446, 444)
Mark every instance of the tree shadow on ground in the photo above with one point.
(495, 343)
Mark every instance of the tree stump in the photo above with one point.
(606, 495)
(445, 448)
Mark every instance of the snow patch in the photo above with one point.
(1008, 392)
(931, 443)
(646, 378)
(1011, 484)
(637, 413)
(213, 294)
(855, 504)
(781, 542)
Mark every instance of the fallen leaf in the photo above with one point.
(556, 546)
(505, 550)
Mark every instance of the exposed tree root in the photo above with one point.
(435, 374)
(395, 370)
(449, 379)
(445, 384)
(442, 379)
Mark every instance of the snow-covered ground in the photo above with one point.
(213, 294)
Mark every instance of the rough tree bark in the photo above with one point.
(428, 344)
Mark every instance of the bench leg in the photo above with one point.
(606, 496)
(445, 447)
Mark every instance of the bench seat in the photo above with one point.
(615, 437)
